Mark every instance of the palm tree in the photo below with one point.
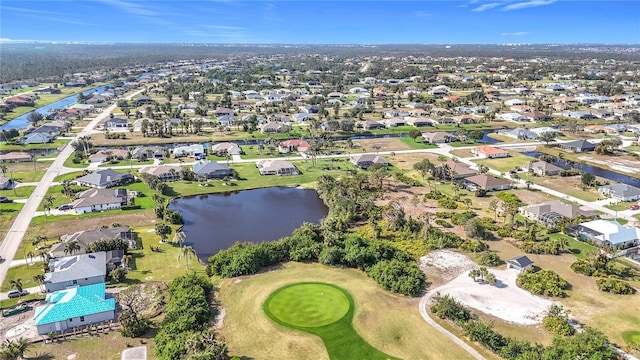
(14, 349)
(16, 284)
(71, 247)
(179, 237)
(4, 169)
(186, 252)
(39, 278)
(30, 255)
(48, 204)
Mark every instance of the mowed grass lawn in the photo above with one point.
(324, 310)
(507, 164)
(390, 323)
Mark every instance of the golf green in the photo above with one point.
(308, 304)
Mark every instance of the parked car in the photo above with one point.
(15, 293)
(4, 199)
(634, 207)
(64, 207)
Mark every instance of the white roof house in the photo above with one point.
(611, 233)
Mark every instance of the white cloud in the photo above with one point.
(518, 33)
(487, 6)
(140, 10)
(527, 4)
(422, 13)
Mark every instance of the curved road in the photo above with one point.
(425, 315)
(16, 233)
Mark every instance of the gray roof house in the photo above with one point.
(487, 183)
(542, 168)
(83, 238)
(5, 183)
(520, 263)
(519, 133)
(276, 167)
(77, 270)
(607, 233)
(188, 150)
(364, 161)
(163, 172)
(622, 192)
(116, 123)
(211, 170)
(93, 200)
(37, 138)
(143, 153)
(552, 213)
(225, 148)
(437, 137)
(578, 146)
(104, 178)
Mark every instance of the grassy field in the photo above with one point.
(399, 330)
(507, 164)
(620, 206)
(578, 248)
(25, 273)
(632, 337)
(22, 192)
(49, 146)
(417, 145)
(324, 310)
(8, 213)
(27, 172)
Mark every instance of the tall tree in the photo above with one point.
(185, 253)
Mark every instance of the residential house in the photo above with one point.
(301, 117)
(103, 156)
(520, 263)
(519, 133)
(116, 123)
(372, 125)
(621, 192)
(85, 237)
(487, 183)
(419, 121)
(578, 146)
(196, 150)
(76, 270)
(93, 200)
(226, 120)
(35, 138)
(104, 178)
(16, 156)
(276, 167)
(225, 148)
(163, 172)
(364, 161)
(74, 307)
(439, 137)
(514, 117)
(293, 145)
(143, 100)
(274, 128)
(211, 170)
(458, 170)
(489, 152)
(553, 213)
(514, 102)
(543, 168)
(534, 116)
(544, 129)
(223, 112)
(607, 233)
(5, 183)
(144, 153)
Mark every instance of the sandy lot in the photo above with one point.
(505, 300)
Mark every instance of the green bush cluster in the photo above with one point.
(394, 269)
(615, 286)
(543, 282)
(184, 331)
(589, 344)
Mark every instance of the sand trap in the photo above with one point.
(505, 301)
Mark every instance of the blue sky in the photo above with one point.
(323, 22)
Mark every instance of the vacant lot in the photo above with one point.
(388, 322)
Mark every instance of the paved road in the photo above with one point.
(424, 301)
(16, 233)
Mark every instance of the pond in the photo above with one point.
(214, 222)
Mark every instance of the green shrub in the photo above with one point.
(615, 286)
(543, 282)
(489, 259)
(443, 223)
(447, 203)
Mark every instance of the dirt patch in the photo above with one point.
(445, 265)
(505, 300)
(54, 229)
(387, 144)
(406, 161)
(622, 164)
(147, 299)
